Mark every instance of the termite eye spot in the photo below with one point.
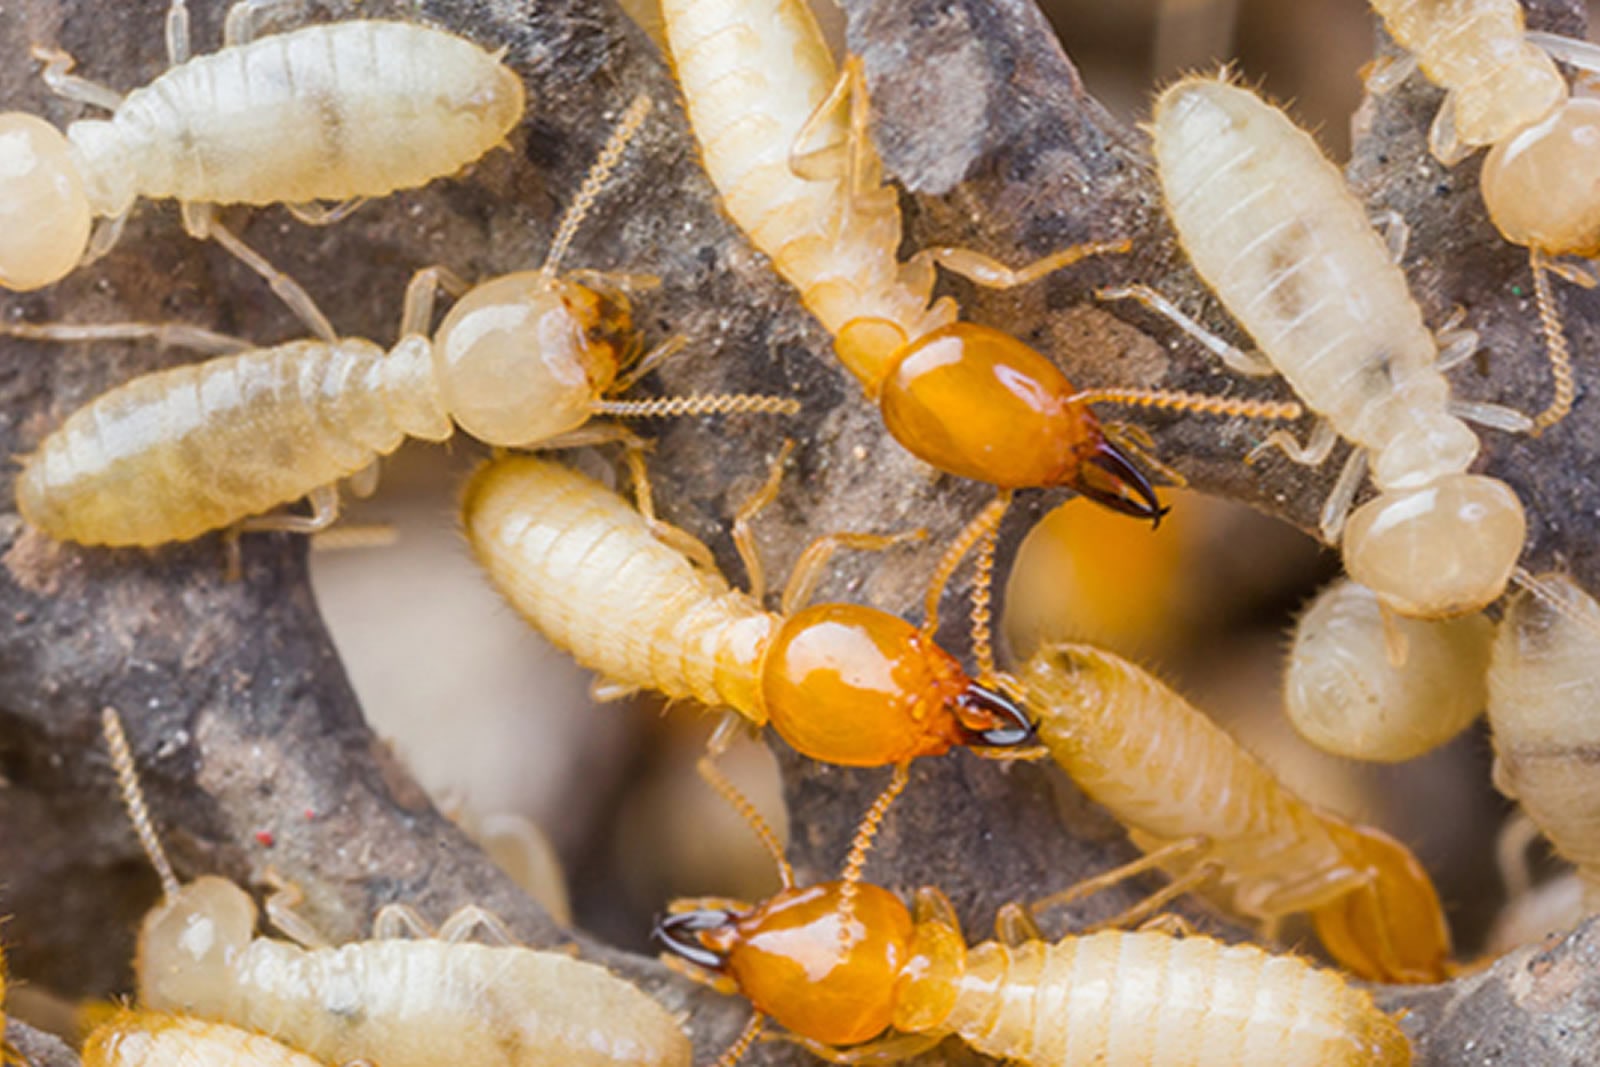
(679, 934)
(993, 720)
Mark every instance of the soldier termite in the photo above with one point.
(402, 1002)
(337, 112)
(1504, 91)
(1544, 710)
(1371, 687)
(1269, 224)
(522, 360)
(841, 683)
(1198, 803)
(161, 1039)
(1109, 999)
(805, 184)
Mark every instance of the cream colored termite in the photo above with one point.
(1374, 687)
(336, 112)
(522, 360)
(1268, 222)
(1503, 91)
(162, 1039)
(1544, 710)
(424, 1002)
(1198, 803)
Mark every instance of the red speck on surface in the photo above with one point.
(310, 813)
(265, 838)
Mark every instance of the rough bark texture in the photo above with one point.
(251, 744)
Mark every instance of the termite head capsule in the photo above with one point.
(190, 942)
(44, 211)
(851, 685)
(800, 959)
(1542, 186)
(523, 357)
(1445, 549)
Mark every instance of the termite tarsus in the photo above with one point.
(400, 1002)
(840, 963)
(1270, 225)
(1544, 710)
(521, 360)
(1372, 686)
(1195, 800)
(1504, 91)
(162, 1039)
(841, 683)
(337, 112)
(967, 399)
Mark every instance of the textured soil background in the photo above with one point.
(252, 744)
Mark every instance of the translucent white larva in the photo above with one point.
(1345, 694)
(161, 1039)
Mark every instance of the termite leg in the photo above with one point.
(364, 482)
(1314, 453)
(200, 221)
(1181, 849)
(1250, 363)
(165, 334)
(1170, 924)
(813, 561)
(245, 18)
(830, 161)
(930, 904)
(883, 1051)
(674, 537)
(744, 540)
(1013, 926)
(177, 32)
(280, 905)
(319, 214)
(416, 314)
(1396, 232)
(470, 919)
(324, 502)
(1201, 875)
(1136, 441)
(1457, 343)
(649, 362)
(107, 232)
(981, 525)
(396, 922)
(1308, 893)
(992, 274)
(1385, 74)
(604, 691)
(60, 80)
(1337, 507)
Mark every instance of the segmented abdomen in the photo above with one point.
(752, 74)
(1476, 49)
(158, 1039)
(1270, 225)
(327, 112)
(581, 565)
(435, 1004)
(171, 455)
(1150, 1000)
(1163, 768)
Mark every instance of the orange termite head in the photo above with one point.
(1110, 479)
(852, 685)
(801, 959)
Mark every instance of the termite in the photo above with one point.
(397, 1001)
(1374, 687)
(842, 963)
(1503, 91)
(1270, 225)
(968, 399)
(338, 112)
(1196, 802)
(1544, 710)
(521, 360)
(162, 1039)
(841, 683)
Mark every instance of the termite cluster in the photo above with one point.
(321, 117)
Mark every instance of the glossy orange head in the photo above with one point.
(794, 960)
(856, 686)
(1393, 929)
(980, 404)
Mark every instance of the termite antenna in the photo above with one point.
(1200, 403)
(596, 179)
(133, 800)
(714, 404)
(856, 862)
(1555, 345)
(740, 803)
(742, 1043)
(981, 618)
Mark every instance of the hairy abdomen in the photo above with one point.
(170, 455)
(436, 1004)
(327, 112)
(581, 565)
(1150, 1000)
